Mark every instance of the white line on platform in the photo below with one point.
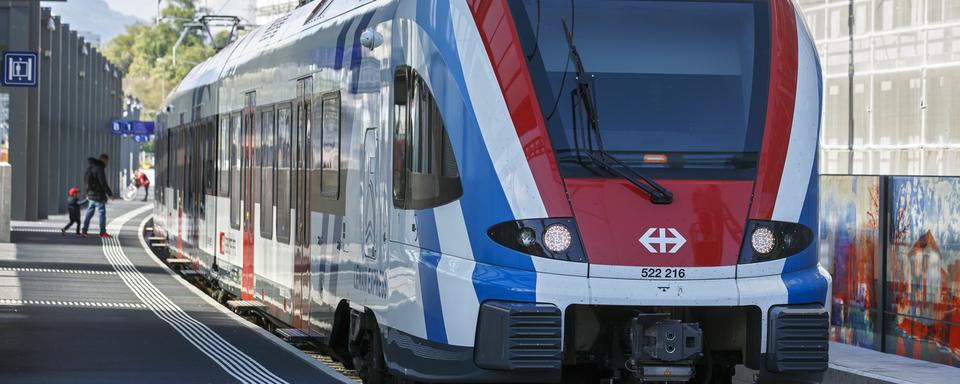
(236, 363)
(60, 303)
(57, 270)
(35, 229)
(332, 373)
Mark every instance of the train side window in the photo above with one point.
(235, 171)
(224, 156)
(284, 142)
(425, 173)
(330, 149)
(267, 169)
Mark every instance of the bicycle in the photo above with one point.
(130, 191)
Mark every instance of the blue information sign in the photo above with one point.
(20, 69)
(131, 127)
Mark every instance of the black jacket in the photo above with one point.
(73, 207)
(96, 180)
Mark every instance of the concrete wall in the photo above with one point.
(4, 203)
(55, 126)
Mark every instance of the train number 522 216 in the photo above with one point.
(663, 273)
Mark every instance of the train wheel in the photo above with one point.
(366, 349)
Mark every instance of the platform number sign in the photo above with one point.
(20, 69)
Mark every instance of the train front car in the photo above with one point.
(640, 198)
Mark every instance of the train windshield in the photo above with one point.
(680, 87)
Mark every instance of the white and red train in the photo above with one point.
(513, 191)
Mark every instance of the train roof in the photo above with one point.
(262, 40)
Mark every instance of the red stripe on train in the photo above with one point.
(502, 43)
(780, 108)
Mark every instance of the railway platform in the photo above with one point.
(91, 310)
(854, 365)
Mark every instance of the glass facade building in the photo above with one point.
(900, 115)
(890, 154)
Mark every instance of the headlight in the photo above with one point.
(554, 238)
(557, 238)
(763, 240)
(772, 240)
(527, 237)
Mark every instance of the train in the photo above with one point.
(513, 190)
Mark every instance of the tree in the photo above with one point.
(145, 53)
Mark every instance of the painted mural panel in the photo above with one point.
(850, 249)
(923, 269)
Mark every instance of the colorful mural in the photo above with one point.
(850, 250)
(923, 269)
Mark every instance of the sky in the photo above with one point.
(109, 18)
(147, 9)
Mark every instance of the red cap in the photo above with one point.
(73, 192)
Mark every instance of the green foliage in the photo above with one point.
(147, 147)
(145, 53)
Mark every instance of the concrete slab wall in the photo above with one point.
(57, 125)
(5, 200)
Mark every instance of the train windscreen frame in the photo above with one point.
(680, 86)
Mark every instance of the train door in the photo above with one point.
(247, 193)
(194, 187)
(368, 189)
(301, 204)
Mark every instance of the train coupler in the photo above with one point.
(664, 349)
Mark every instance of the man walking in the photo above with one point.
(97, 192)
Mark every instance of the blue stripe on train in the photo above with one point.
(801, 276)
(484, 202)
(427, 269)
(341, 42)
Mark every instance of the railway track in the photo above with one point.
(160, 251)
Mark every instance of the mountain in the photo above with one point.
(93, 17)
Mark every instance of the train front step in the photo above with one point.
(293, 335)
(242, 306)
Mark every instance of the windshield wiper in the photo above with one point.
(658, 194)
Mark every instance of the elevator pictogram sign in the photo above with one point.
(20, 69)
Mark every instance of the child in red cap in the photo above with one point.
(73, 208)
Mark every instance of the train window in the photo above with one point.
(283, 161)
(425, 171)
(224, 158)
(330, 148)
(701, 103)
(267, 168)
(235, 171)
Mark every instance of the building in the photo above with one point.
(890, 157)
(268, 10)
(898, 119)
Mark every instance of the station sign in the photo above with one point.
(131, 127)
(20, 69)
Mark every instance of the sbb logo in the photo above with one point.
(649, 240)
